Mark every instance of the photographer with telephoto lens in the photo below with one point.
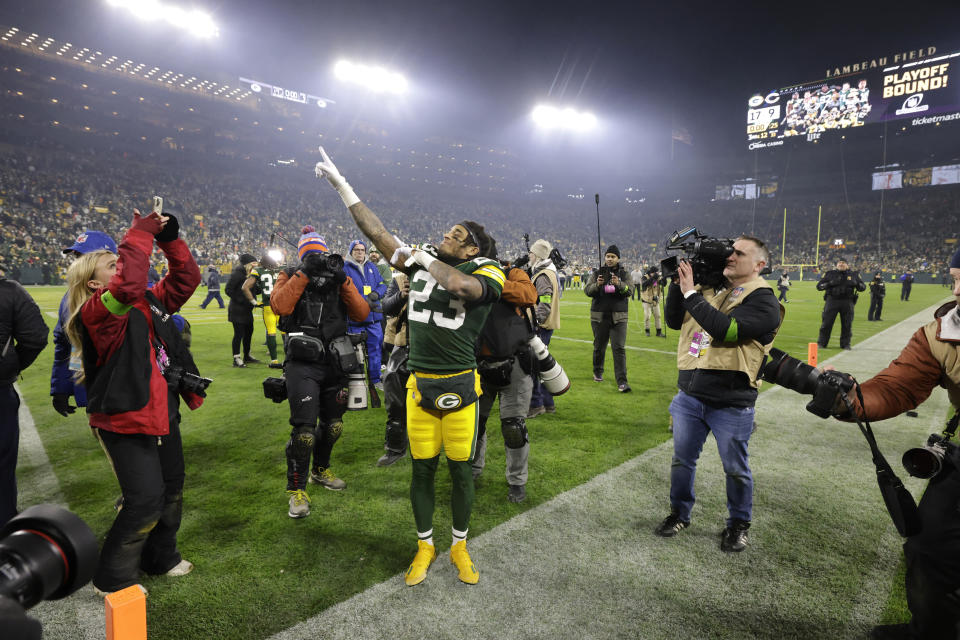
(725, 332)
(314, 302)
(930, 359)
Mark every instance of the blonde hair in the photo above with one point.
(78, 292)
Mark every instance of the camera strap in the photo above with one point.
(900, 503)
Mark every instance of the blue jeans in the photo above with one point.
(540, 396)
(731, 426)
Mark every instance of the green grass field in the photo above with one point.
(259, 572)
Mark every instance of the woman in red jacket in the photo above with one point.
(136, 367)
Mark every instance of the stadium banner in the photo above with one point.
(887, 180)
(921, 91)
(947, 174)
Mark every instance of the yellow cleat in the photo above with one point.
(417, 572)
(461, 559)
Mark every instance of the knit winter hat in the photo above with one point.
(541, 248)
(246, 258)
(614, 250)
(955, 260)
(355, 243)
(311, 241)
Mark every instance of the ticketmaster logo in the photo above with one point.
(935, 119)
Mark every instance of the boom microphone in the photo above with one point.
(596, 198)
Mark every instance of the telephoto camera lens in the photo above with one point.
(46, 553)
(925, 462)
(787, 371)
(552, 375)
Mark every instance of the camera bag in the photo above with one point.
(304, 348)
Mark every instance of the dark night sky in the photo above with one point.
(481, 66)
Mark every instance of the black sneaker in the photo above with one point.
(517, 493)
(389, 457)
(250, 360)
(671, 526)
(734, 538)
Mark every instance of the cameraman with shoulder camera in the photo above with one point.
(930, 359)
(840, 287)
(610, 288)
(650, 298)
(314, 302)
(725, 332)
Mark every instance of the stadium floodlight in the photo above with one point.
(376, 79)
(193, 21)
(549, 117)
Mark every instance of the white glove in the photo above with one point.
(423, 257)
(326, 169)
(403, 252)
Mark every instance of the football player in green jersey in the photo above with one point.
(266, 275)
(452, 287)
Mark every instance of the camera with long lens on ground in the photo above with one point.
(552, 375)
(46, 553)
(708, 256)
(826, 387)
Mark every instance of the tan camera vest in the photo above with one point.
(745, 356)
(553, 320)
(943, 336)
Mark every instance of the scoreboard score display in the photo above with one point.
(921, 91)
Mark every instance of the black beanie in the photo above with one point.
(614, 250)
(955, 260)
(246, 258)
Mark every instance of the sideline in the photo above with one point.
(587, 565)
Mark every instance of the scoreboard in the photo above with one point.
(920, 91)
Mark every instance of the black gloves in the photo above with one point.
(313, 264)
(373, 296)
(169, 232)
(522, 261)
(61, 404)
(339, 277)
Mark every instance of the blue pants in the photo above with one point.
(9, 444)
(731, 426)
(213, 294)
(374, 347)
(541, 397)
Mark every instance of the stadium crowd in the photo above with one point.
(229, 207)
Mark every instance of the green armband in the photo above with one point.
(731, 331)
(546, 299)
(113, 305)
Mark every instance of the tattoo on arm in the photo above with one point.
(465, 287)
(370, 225)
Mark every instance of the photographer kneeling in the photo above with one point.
(725, 332)
(930, 359)
(314, 303)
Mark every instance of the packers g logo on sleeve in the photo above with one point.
(447, 401)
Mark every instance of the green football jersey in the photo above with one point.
(266, 278)
(443, 328)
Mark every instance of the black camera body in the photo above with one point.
(275, 389)
(182, 380)
(708, 256)
(826, 387)
(322, 269)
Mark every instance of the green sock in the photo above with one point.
(272, 346)
(422, 491)
(461, 496)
